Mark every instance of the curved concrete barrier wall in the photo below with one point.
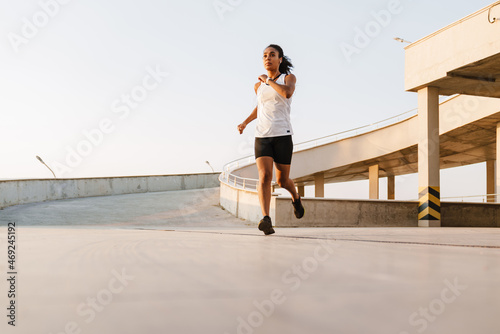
(320, 212)
(243, 204)
(459, 214)
(326, 212)
(14, 192)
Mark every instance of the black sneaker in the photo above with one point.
(298, 208)
(266, 225)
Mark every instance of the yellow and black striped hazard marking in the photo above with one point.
(429, 207)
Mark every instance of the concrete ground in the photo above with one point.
(175, 262)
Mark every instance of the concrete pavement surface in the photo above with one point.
(175, 262)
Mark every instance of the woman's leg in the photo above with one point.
(265, 167)
(284, 180)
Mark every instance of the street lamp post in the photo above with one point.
(40, 159)
(208, 163)
(401, 40)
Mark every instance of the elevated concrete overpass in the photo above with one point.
(462, 58)
(467, 136)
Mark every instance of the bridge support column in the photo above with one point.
(391, 187)
(373, 180)
(319, 185)
(490, 180)
(496, 175)
(301, 190)
(429, 211)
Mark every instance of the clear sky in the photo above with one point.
(111, 88)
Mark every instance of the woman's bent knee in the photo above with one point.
(282, 181)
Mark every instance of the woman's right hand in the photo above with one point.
(241, 127)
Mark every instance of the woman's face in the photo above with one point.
(271, 59)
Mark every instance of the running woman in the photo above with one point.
(273, 133)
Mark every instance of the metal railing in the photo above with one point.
(251, 184)
(238, 182)
(480, 198)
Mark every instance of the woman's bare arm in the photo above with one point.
(285, 90)
(249, 119)
(252, 116)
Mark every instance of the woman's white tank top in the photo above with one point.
(273, 111)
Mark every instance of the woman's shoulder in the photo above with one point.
(256, 86)
(290, 76)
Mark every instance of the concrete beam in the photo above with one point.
(460, 58)
(15, 192)
(490, 180)
(428, 158)
(373, 172)
(319, 185)
(301, 190)
(497, 166)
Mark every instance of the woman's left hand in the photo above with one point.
(263, 78)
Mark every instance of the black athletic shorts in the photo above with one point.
(279, 148)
